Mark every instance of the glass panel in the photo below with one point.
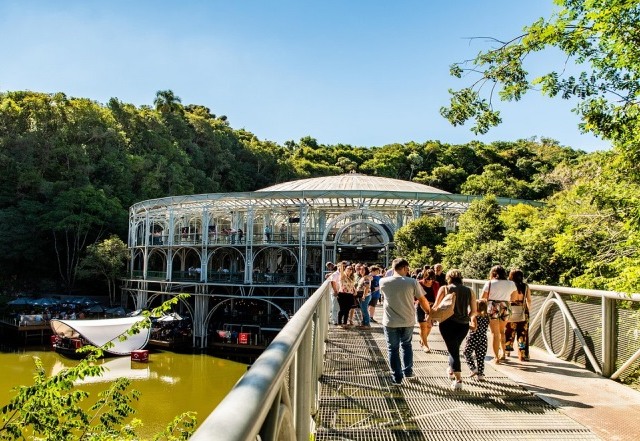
(360, 234)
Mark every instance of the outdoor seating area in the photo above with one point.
(30, 311)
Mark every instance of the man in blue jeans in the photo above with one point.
(398, 319)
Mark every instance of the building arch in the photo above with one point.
(271, 259)
(186, 264)
(225, 258)
(229, 300)
(348, 217)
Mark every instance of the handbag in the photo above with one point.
(517, 314)
(445, 308)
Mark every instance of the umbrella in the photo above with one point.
(95, 308)
(46, 301)
(83, 301)
(21, 301)
(118, 310)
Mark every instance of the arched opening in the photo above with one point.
(226, 265)
(275, 265)
(157, 265)
(185, 265)
(362, 241)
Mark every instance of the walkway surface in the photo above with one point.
(544, 399)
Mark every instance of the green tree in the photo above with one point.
(418, 240)
(599, 39)
(346, 164)
(167, 102)
(415, 162)
(106, 259)
(476, 245)
(445, 177)
(495, 180)
(77, 218)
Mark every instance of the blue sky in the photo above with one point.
(359, 72)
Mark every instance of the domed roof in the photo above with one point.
(353, 181)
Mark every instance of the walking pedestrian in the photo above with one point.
(498, 291)
(455, 328)
(476, 348)
(398, 321)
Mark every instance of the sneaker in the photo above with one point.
(480, 377)
(373, 320)
(426, 349)
(474, 373)
(395, 382)
(410, 375)
(456, 385)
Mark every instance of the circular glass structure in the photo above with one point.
(273, 243)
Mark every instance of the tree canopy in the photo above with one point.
(601, 70)
(71, 167)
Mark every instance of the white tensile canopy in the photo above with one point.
(99, 332)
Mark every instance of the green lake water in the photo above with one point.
(170, 383)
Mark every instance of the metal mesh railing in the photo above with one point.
(607, 337)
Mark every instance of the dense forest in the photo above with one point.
(71, 167)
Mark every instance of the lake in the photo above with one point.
(171, 383)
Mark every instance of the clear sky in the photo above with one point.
(358, 72)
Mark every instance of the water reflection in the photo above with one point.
(169, 384)
(114, 368)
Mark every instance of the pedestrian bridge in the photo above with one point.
(316, 382)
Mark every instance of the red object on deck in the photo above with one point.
(77, 343)
(54, 340)
(141, 355)
(243, 338)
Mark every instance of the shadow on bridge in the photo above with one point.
(544, 399)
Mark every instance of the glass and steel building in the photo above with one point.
(272, 244)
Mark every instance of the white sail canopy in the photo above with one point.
(99, 332)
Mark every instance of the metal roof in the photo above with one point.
(353, 181)
(351, 190)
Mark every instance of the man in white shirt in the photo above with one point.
(398, 318)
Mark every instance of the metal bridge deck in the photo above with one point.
(358, 401)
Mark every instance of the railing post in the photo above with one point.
(609, 347)
(303, 385)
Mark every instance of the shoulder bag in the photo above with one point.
(445, 308)
(492, 308)
(517, 311)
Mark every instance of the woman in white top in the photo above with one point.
(499, 292)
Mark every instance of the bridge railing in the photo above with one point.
(594, 331)
(276, 398)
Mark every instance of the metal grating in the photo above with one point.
(358, 401)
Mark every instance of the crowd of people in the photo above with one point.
(408, 297)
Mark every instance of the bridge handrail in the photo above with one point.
(614, 295)
(261, 404)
